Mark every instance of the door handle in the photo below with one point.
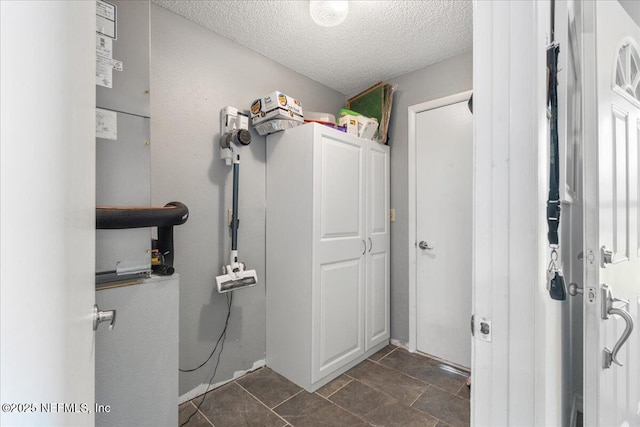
(424, 245)
(100, 316)
(575, 289)
(611, 356)
(364, 251)
(370, 244)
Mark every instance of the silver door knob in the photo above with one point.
(100, 316)
(424, 245)
(575, 289)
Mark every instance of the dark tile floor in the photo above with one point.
(391, 388)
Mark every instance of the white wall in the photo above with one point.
(194, 74)
(47, 209)
(444, 78)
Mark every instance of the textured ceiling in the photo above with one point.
(378, 40)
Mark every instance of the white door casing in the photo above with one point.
(47, 212)
(444, 187)
(612, 130)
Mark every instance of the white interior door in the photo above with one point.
(444, 175)
(47, 213)
(612, 396)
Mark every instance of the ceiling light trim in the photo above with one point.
(328, 13)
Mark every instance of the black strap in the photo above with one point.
(556, 283)
(553, 203)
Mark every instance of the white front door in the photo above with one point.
(47, 213)
(612, 231)
(444, 203)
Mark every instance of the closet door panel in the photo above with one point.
(339, 260)
(378, 244)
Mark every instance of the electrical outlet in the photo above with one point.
(229, 216)
(392, 215)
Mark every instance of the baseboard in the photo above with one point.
(400, 344)
(576, 406)
(202, 388)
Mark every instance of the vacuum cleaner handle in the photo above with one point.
(234, 219)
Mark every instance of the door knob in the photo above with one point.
(575, 289)
(100, 316)
(424, 245)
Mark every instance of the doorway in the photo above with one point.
(440, 227)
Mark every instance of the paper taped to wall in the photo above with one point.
(106, 124)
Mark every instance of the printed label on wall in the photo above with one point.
(105, 62)
(106, 19)
(104, 72)
(104, 46)
(106, 124)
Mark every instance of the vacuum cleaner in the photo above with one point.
(236, 133)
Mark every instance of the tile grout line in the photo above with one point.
(419, 396)
(343, 408)
(346, 384)
(371, 385)
(265, 405)
(289, 398)
(385, 355)
(418, 379)
(438, 420)
(460, 389)
(388, 395)
(201, 413)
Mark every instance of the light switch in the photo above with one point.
(392, 215)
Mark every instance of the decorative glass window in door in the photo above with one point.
(628, 72)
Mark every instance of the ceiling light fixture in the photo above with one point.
(328, 13)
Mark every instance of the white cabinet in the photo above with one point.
(327, 276)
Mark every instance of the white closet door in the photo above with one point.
(377, 234)
(339, 266)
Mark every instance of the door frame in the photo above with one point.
(413, 112)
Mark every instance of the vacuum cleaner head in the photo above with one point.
(236, 278)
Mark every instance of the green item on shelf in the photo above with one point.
(347, 112)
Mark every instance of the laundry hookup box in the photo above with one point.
(276, 106)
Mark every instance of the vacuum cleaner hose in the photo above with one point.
(116, 218)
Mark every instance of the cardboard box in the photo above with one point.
(367, 127)
(276, 105)
(351, 123)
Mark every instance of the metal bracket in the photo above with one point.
(481, 328)
(607, 256)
